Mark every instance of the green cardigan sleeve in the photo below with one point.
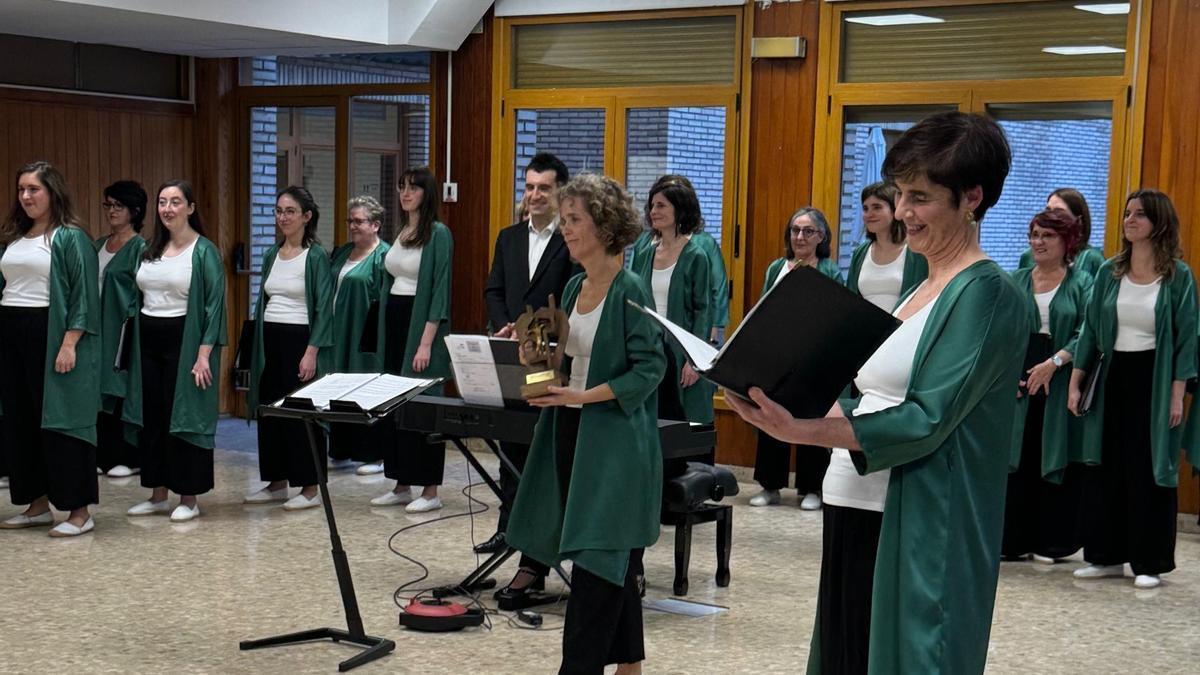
(960, 363)
(212, 329)
(772, 272)
(442, 248)
(643, 347)
(830, 269)
(856, 263)
(83, 292)
(717, 277)
(1183, 296)
(698, 296)
(318, 292)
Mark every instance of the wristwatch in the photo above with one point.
(1057, 361)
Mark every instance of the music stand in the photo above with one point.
(376, 647)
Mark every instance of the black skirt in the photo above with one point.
(849, 543)
(408, 457)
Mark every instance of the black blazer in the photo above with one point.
(509, 288)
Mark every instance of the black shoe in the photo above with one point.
(512, 599)
(491, 545)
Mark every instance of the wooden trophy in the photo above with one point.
(536, 330)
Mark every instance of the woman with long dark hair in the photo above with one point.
(1140, 331)
(49, 354)
(118, 254)
(416, 320)
(176, 356)
(293, 336)
(883, 268)
(806, 241)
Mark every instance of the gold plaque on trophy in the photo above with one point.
(537, 331)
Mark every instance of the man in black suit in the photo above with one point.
(531, 264)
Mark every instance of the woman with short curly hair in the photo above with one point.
(593, 482)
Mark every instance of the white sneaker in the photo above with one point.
(1147, 581)
(811, 502)
(393, 498)
(1100, 571)
(300, 502)
(423, 504)
(265, 496)
(122, 471)
(149, 508)
(765, 498)
(339, 464)
(22, 521)
(182, 513)
(66, 529)
(1043, 560)
(3, 482)
(370, 469)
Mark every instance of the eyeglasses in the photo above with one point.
(806, 232)
(290, 212)
(357, 222)
(112, 206)
(1045, 236)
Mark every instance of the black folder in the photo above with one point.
(802, 343)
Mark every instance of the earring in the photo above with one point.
(971, 222)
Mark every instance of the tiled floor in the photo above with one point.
(141, 595)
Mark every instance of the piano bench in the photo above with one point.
(722, 515)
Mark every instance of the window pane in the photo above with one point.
(869, 133)
(685, 141)
(574, 135)
(694, 50)
(981, 42)
(389, 134)
(1054, 145)
(395, 68)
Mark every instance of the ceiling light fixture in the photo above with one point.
(894, 19)
(1105, 7)
(1079, 50)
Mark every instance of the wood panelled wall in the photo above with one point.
(1171, 149)
(782, 113)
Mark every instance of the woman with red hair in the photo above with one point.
(1041, 515)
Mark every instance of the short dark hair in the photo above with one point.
(1066, 224)
(307, 205)
(679, 192)
(427, 210)
(886, 193)
(1079, 207)
(611, 209)
(1164, 236)
(957, 151)
(544, 161)
(818, 219)
(162, 236)
(133, 196)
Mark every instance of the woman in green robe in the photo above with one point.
(1140, 331)
(1089, 259)
(806, 238)
(938, 410)
(415, 318)
(175, 356)
(592, 486)
(293, 340)
(1044, 496)
(360, 289)
(49, 354)
(118, 253)
(882, 251)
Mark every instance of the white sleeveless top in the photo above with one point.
(1043, 301)
(404, 264)
(165, 284)
(1135, 315)
(880, 284)
(26, 270)
(580, 338)
(285, 291)
(660, 287)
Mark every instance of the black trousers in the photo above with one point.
(283, 449)
(3, 452)
(111, 446)
(771, 465)
(604, 621)
(850, 540)
(42, 463)
(1129, 518)
(517, 453)
(359, 443)
(409, 458)
(1039, 516)
(167, 460)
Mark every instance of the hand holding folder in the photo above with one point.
(801, 344)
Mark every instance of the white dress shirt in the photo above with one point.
(538, 241)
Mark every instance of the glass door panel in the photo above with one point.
(574, 135)
(388, 135)
(1054, 145)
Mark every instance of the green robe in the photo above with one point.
(915, 268)
(718, 279)
(615, 494)
(689, 304)
(71, 400)
(1061, 431)
(1174, 359)
(318, 300)
(1087, 261)
(366, 283)
(947, 447)
(431, 305)
(824, 266)
(118, 302)
(193, 410)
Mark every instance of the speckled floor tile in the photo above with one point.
(143, 595)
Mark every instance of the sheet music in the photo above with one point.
(382, 388)
(699, 351)
(475, 369)
(333, 385)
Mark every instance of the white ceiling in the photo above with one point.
(223, 28)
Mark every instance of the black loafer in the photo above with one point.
(491, 545)
(512, 599)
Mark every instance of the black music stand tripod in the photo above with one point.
(376, 647)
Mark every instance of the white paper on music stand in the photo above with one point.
(475, 369)
(381, 389)
(329, 387)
